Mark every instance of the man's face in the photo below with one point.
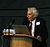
(30, 15)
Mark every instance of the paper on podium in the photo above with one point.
(21, 29)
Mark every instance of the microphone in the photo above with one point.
(10, 24)
(7, 29)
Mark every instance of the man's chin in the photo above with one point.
(29, 19)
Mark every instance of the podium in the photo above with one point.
(21, 40)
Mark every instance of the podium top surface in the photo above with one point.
(21, 35)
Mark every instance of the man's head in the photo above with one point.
(32, 13)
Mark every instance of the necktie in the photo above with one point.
(30, 27)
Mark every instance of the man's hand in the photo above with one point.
(39, 37)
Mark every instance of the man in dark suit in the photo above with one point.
(36, 26)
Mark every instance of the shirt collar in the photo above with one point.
(33, 20)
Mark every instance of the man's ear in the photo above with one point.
(35, 13)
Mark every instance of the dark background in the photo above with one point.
(16, 9)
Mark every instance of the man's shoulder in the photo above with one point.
(40, 19)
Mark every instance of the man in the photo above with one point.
(38, 26)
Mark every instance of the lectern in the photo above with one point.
(20, 40)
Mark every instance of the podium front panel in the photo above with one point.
(20, 42)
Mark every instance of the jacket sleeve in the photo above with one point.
(44, 32)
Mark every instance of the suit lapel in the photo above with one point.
(37, 27)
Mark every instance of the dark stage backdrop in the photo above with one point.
(16, 9)
(21, 4)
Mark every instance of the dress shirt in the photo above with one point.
(33, 27)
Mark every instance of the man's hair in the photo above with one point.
(34, 10)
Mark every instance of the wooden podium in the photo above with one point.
(20, 40)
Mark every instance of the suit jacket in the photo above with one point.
(40, 28)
